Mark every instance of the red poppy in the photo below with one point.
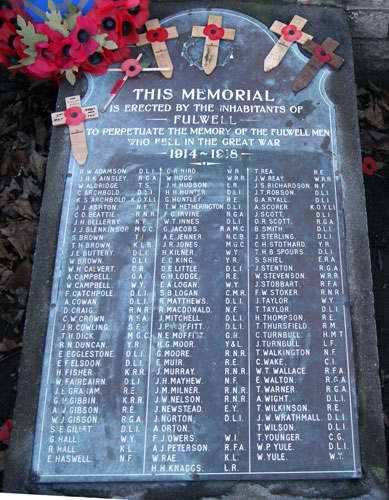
(291, 33)
(369, 165)
(131, 67)
(53, 36)
(7, 35)
(81, 41)
(74, 115)
(5, 432)
(213, 32)
(45, 50)
(128, 33)
(19, 47)
(119, 54)
(62, 53)
(14, 5)
(158, 35)
(108, 19)
(44, 65)
(97, 63)
(42, 68)
(6, 56)
(138, 9)
(12, 16)
(12, 57)
(98, 4)
(322, 55)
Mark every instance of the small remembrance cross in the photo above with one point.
(74, 117)
(131, 67)
(289, 33)
(212, 33)
(156, 36)
(321, 54)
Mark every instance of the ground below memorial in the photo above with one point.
(24, 141)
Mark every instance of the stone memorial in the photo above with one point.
(199, 325)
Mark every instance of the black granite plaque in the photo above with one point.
(200, 323)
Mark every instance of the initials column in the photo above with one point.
(175, 443)
(139, 284)
(335, 356)
(236, 361)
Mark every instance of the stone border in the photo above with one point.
(340, 87)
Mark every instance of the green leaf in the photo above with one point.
(51, 6)
(71, 16)
(100, 39)
(55, 20)
(110, 45)
(26, 61)
(69, 75)
(31, 52)
(145, 64)
(28, 35)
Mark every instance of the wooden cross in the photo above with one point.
(74, 117)
(156, 36)
(131, 67)
(212, 33)
(289, 33)
(321, 54)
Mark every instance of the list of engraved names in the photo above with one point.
(200, 327)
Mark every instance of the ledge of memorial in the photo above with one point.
(322, 22)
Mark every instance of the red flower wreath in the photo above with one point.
(213, 32)
(369, 165)
(322, 55)
(69, 44)
(291, 33)
(158, 35)
(74, 116)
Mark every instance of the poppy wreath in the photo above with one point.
(68, 44)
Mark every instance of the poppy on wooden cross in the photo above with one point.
(321, 54)
(74, 117)
(131, 68)
(156, 36)
(289, 33)
(212, 33)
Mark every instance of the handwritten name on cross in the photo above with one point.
(212, 33)
(74, 117)
(321, 54)
(156, 36)
(290, 33)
